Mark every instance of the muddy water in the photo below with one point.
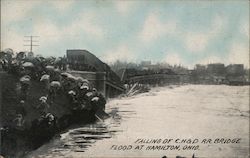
(186, 112)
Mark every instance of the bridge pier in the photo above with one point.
(99, 80)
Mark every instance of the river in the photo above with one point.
(188, 112)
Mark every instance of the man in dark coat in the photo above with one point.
(43, 107)
(21, 108)
(24, 90)
(100, 101)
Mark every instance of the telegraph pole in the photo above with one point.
(31, 42)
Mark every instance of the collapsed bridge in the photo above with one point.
(84, 64)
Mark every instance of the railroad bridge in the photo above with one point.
(152, 77)
(84, 64)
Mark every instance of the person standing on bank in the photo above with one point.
(25, 86)
(43, 107)
(21, 108)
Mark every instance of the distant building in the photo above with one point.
(247, 75)
(236, 74)
(145, 63)
(216, 69)
(200, 68)
(235, 69)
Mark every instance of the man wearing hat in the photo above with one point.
(72, 99)
(19, 122)
(50, 118)
(82, 98)
(83, 90)
(25, 85)
(98, 101)
(43, 106)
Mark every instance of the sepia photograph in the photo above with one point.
(125, 79)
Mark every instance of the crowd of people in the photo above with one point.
(51, 72)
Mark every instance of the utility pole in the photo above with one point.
(31, 41)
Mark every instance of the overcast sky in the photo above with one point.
(178, 32)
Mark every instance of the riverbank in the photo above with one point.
(17, 142)
(36, 128)
(173, 112)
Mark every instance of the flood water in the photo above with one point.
(195, 112)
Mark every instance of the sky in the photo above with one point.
(176, 32)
